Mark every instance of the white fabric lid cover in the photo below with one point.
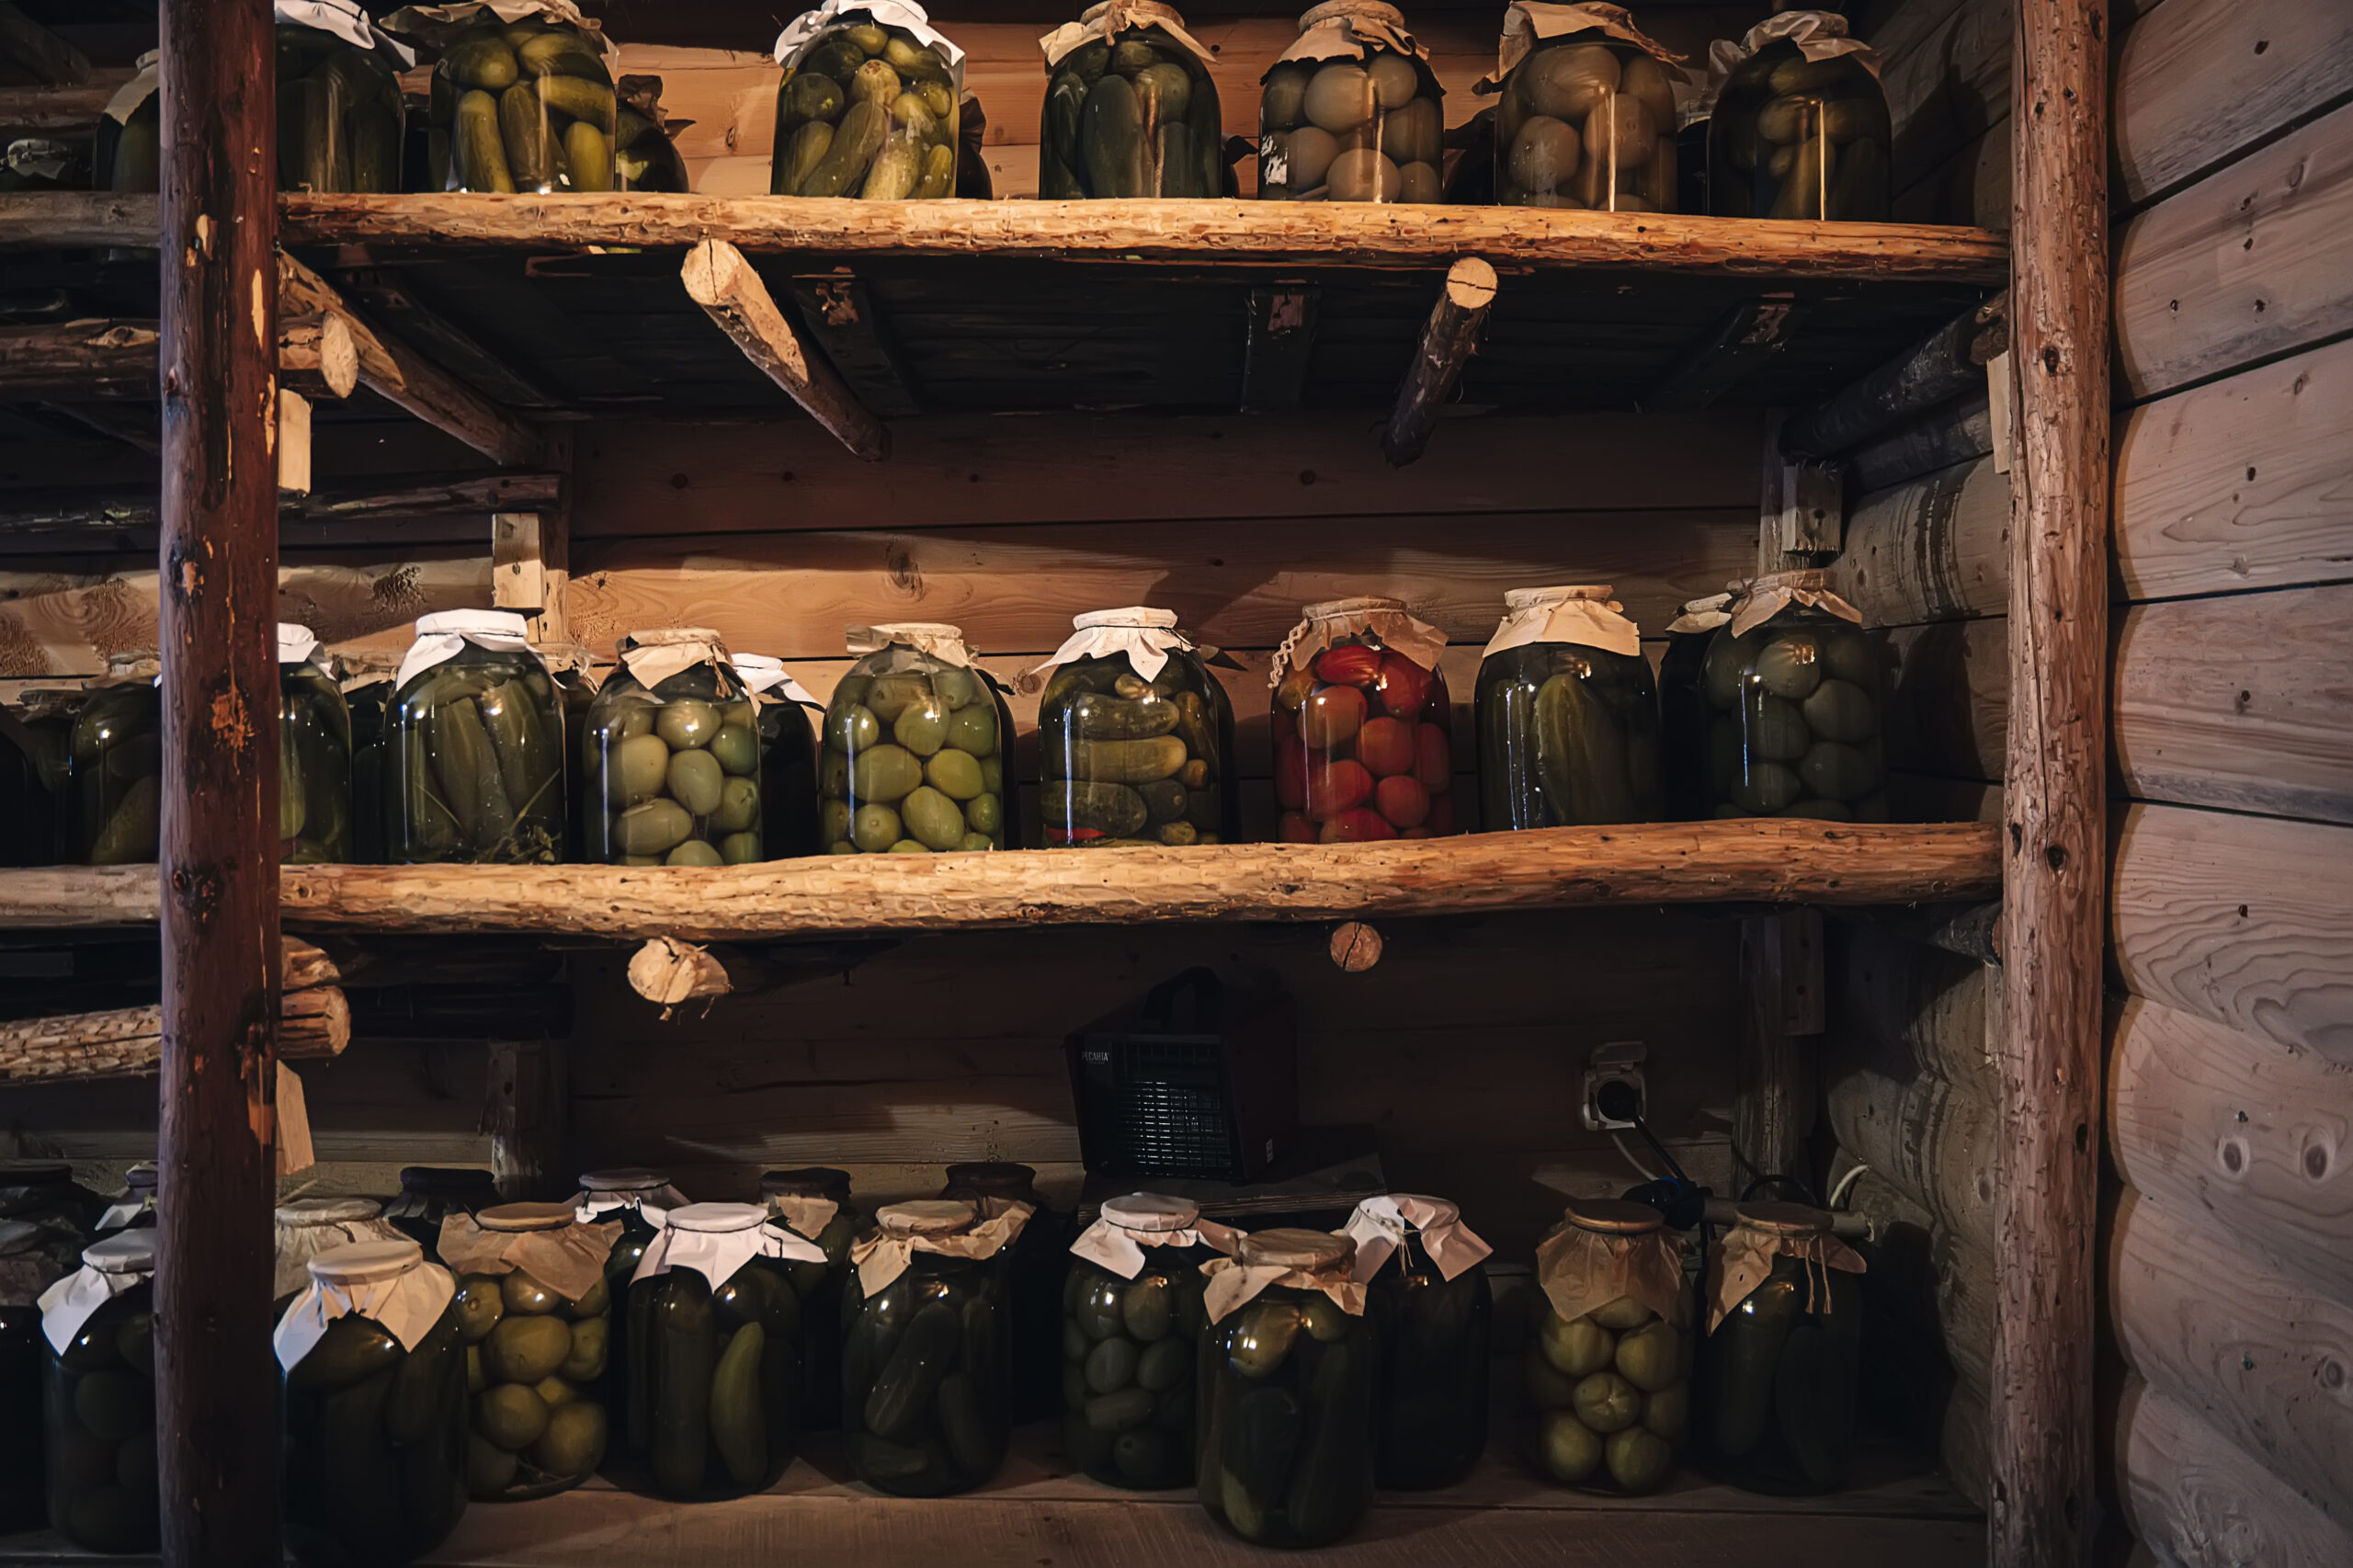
(1151, 1211)
(926, 1217)
(126, 1252)
(501, 623)
(717, 1219)
(358, 1263)
(1134, 615)
(1532, 599)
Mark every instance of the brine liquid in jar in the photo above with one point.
(1363, 731)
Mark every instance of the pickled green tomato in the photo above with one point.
(1608, 1394)
(678, 771)
(1793, 720)
(534, 1361)
(1128, 1349)
(910, 763)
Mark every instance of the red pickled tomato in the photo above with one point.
(1295, 829)
(1386, 746)
(1333, 716)
(1290, 773)
(1401, 801)
(1338, 786)
(1441, 817)
(1433, 758)
(1358, 827)
(1350, 664)
(1403, 685)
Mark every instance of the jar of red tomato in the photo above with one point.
(1362, 726)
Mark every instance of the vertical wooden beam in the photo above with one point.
(216, 1381)
(2045, 1217)
(525, 1119)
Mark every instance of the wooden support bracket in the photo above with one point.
(392, 304)
(1448, 340)
(1283, 340)
(841, 316)
(1750, 334)
(1946, 363)
(725, 284)
(316, 356)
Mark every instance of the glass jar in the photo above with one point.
(474, 755)
(714, 1353)
(114, 776)
(1779, 1368)
(134, 1207)
(535, 1314)
(1568, 716)
(525, 105)
(1352, 112)
(1363, 728)
(925, 1349)
(640, 1200)
(868, 108)
(1800, 128)
(340, 125)
(788, 755)
(309, 1226)
(314, 755)
(34, 739)
(28, 1268)
(1683, 707)
(1433, 1318)
(1034, 1268)
(915, 745)
(814, 1203)
(99, 1398)
(1609, 1359)
(1132, 1315)
(1134, 737)
(1793, 692)
(367, 698)
(431, 1194)
(1287, 1393)
(1586, 119)
(375, 1403)
(1130, 108)
(671, 757)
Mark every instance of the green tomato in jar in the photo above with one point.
(1790, 665)
(1146, 1308)
(740, 848)
(1639, 1459)
(957, 689)
(833, 775)
(993, 774)
(885, 773)
(695, 780)
(1669, 1411)
(909, 846)
(654, 828)
(490, 1469)
(737, 749)
(525, 1350)
(833, 822)
(1649, 1357)
(955, 774)
(738, 807)
(1840, 710)
(1721, 673)
(972, 841)
(1774, 730)
(1572, 1452)
(1847, 655)
(889, 695)
(984, 814)
(686, 725)
(480, 1304)
(1622, 1312)
(511, 1415)
(932, 818)
(1608, 1402)
(922, 725)
(874, 829)
(521, 1293)
(1575, 1347)
(973, 729)
(574, 1441)
(852, 728)
(693, 852)
(634, 770)
(1111, 1365)
(595, 1302)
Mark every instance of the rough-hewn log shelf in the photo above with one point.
(1750, 861)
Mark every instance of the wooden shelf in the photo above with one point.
(1770, 860)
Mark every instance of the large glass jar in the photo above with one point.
(1363, 728)
(114, 776)
(1588, 116)
(431, 1194)
(642, 1201)
(34, 739)
(305, 1227)
(474, 755)
(1683, 706)
(1792, 687)
(714, 1352)
(524, 106)
(535, 1312)
(1130, 108)
(1034, 1268)
(128, 155)
(868, 107)
(814, 1203)
(916, 739)
(1352, 112)
(1785, 1320)
(1132, 1315)
(671, 757)
(1568, 716)
(1287, 1392)
(1800, 128)
(375, 1402)
(314, 755)
(1433, 1318)
(925, 1348)
(338, 100)
(28, 1268)
(788, 755)
(1609, 1359)
(99, 1398)
(1135, 737)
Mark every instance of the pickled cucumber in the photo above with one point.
(896, 150)
(1568, 735)
(1286, 1458)
(380, 1465)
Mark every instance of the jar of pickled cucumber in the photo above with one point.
(916, 739)
(98, 1397)
(1778, 1371)
(376, 1407)
(1794, 701)
(1588, 116)
(640, 1201)
(1131, 1315)
(1135, 737)
(1034, 1267)
(925, 1348)
(523, 96)
(313, 754)
(1683, 705)
(535, 1314)
(34, 740)
(134, 1205)
(339, 124)
(714, 1351)
(28, 1268)
(814, 1203)
(474, 752)
(115, 769)
(1130, 108)
(869, 105)
(671, 757)
(1610, 1362)
(431, 1194)
(1433, 1318)
(788, 755)
(1363, 728)
(645, 151)
(1568, 716)
(1352, 111)
(1286, 1389)
(1800, 128)
(305, 1227)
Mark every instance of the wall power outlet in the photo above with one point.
(1618, 1062)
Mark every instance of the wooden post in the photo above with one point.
(729, 288)
(1449, 339)
(525, 1117)
(2045, 1219)
(218, 1442)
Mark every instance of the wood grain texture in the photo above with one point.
(1935, 1141)
(2253, 1138)
(127, 1042)
(46, 110)
(79, 359)
(1775, 1079)
(2245, 482)
(2196, 1500)
(2242, 920)
(1972, 186)
(2197, 83)
(1895, 1001)
(2246, 263)
(1935, 548)
(1946, 83)
(731, 292)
